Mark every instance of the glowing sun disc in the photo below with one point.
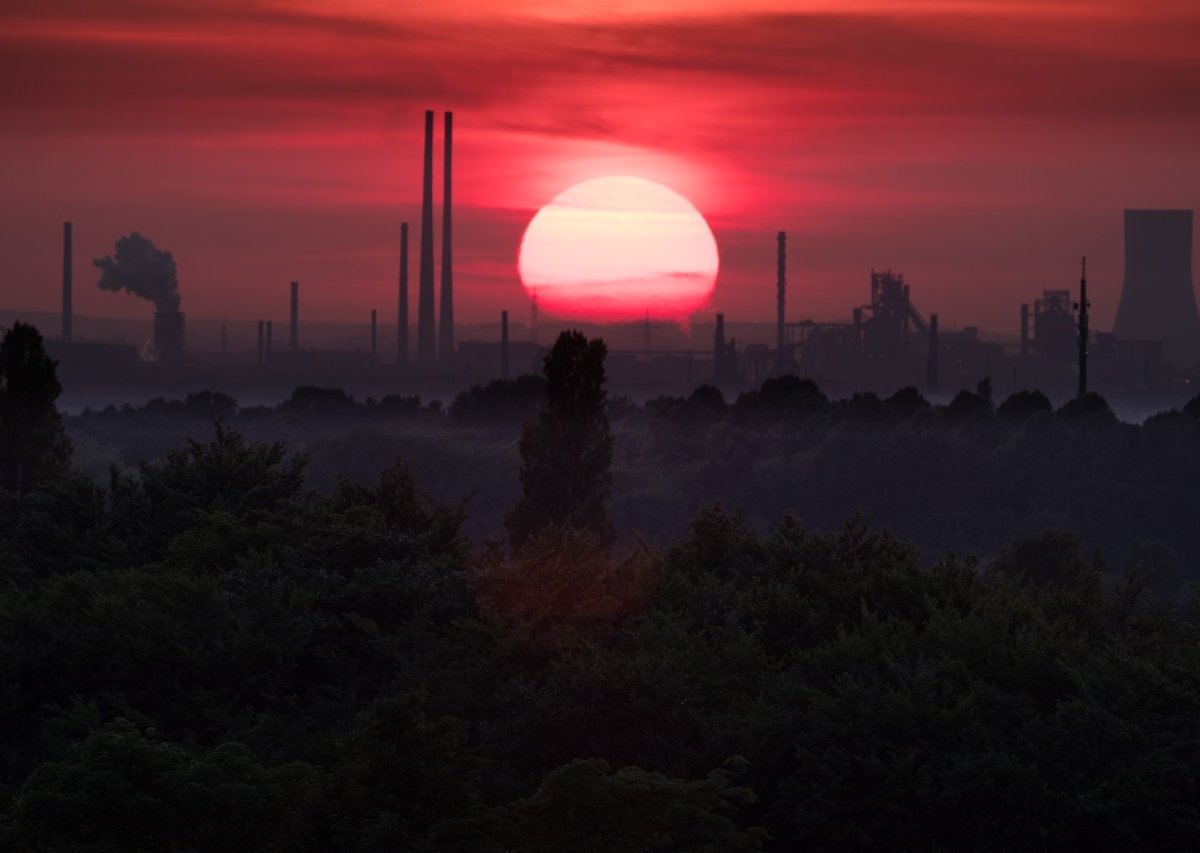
(615, 249)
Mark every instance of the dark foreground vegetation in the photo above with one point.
(207, 654)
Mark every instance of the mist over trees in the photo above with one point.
(964, 477)
(203, 650)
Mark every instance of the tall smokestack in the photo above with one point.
(294, 334)
(1083, 330)
(503, 344)
(374, 337)
(426, 350)
(66, 284)
(1157, 300)
(719, 349)
(402, 313)
(446, 329)
(1024, 329)
(781, 293)
(931, 369)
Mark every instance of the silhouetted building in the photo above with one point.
(1054, 334)
(1157, 299)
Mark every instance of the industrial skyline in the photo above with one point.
(885, 343)
(979, 149)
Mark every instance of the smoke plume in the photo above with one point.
(140, 268)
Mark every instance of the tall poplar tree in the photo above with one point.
(566, 457)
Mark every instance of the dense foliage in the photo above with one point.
(204, 653)
(209, 656)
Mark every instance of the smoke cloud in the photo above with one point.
(143, 270)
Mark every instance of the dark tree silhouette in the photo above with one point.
(1091, 409)
(1022, 405)
(907, 402)
(793, 394)
(566, 457)
(33, 445)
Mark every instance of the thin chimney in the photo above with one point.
(719, 349)
(426, 349)
(294, 335)
(402, 314)
(1083, 330)
(503, 344)
(66, 284)
(781, 293)
(446, 330)
(1024, 329)
(931, 369)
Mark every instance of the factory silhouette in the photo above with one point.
(885, 344)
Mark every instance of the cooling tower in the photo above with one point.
(168, 336)
(1158, 302)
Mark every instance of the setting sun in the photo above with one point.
(619, 249)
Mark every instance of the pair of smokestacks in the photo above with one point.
(431, 347)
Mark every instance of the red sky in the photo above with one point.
(979, 147)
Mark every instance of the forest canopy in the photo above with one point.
(204, 651)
